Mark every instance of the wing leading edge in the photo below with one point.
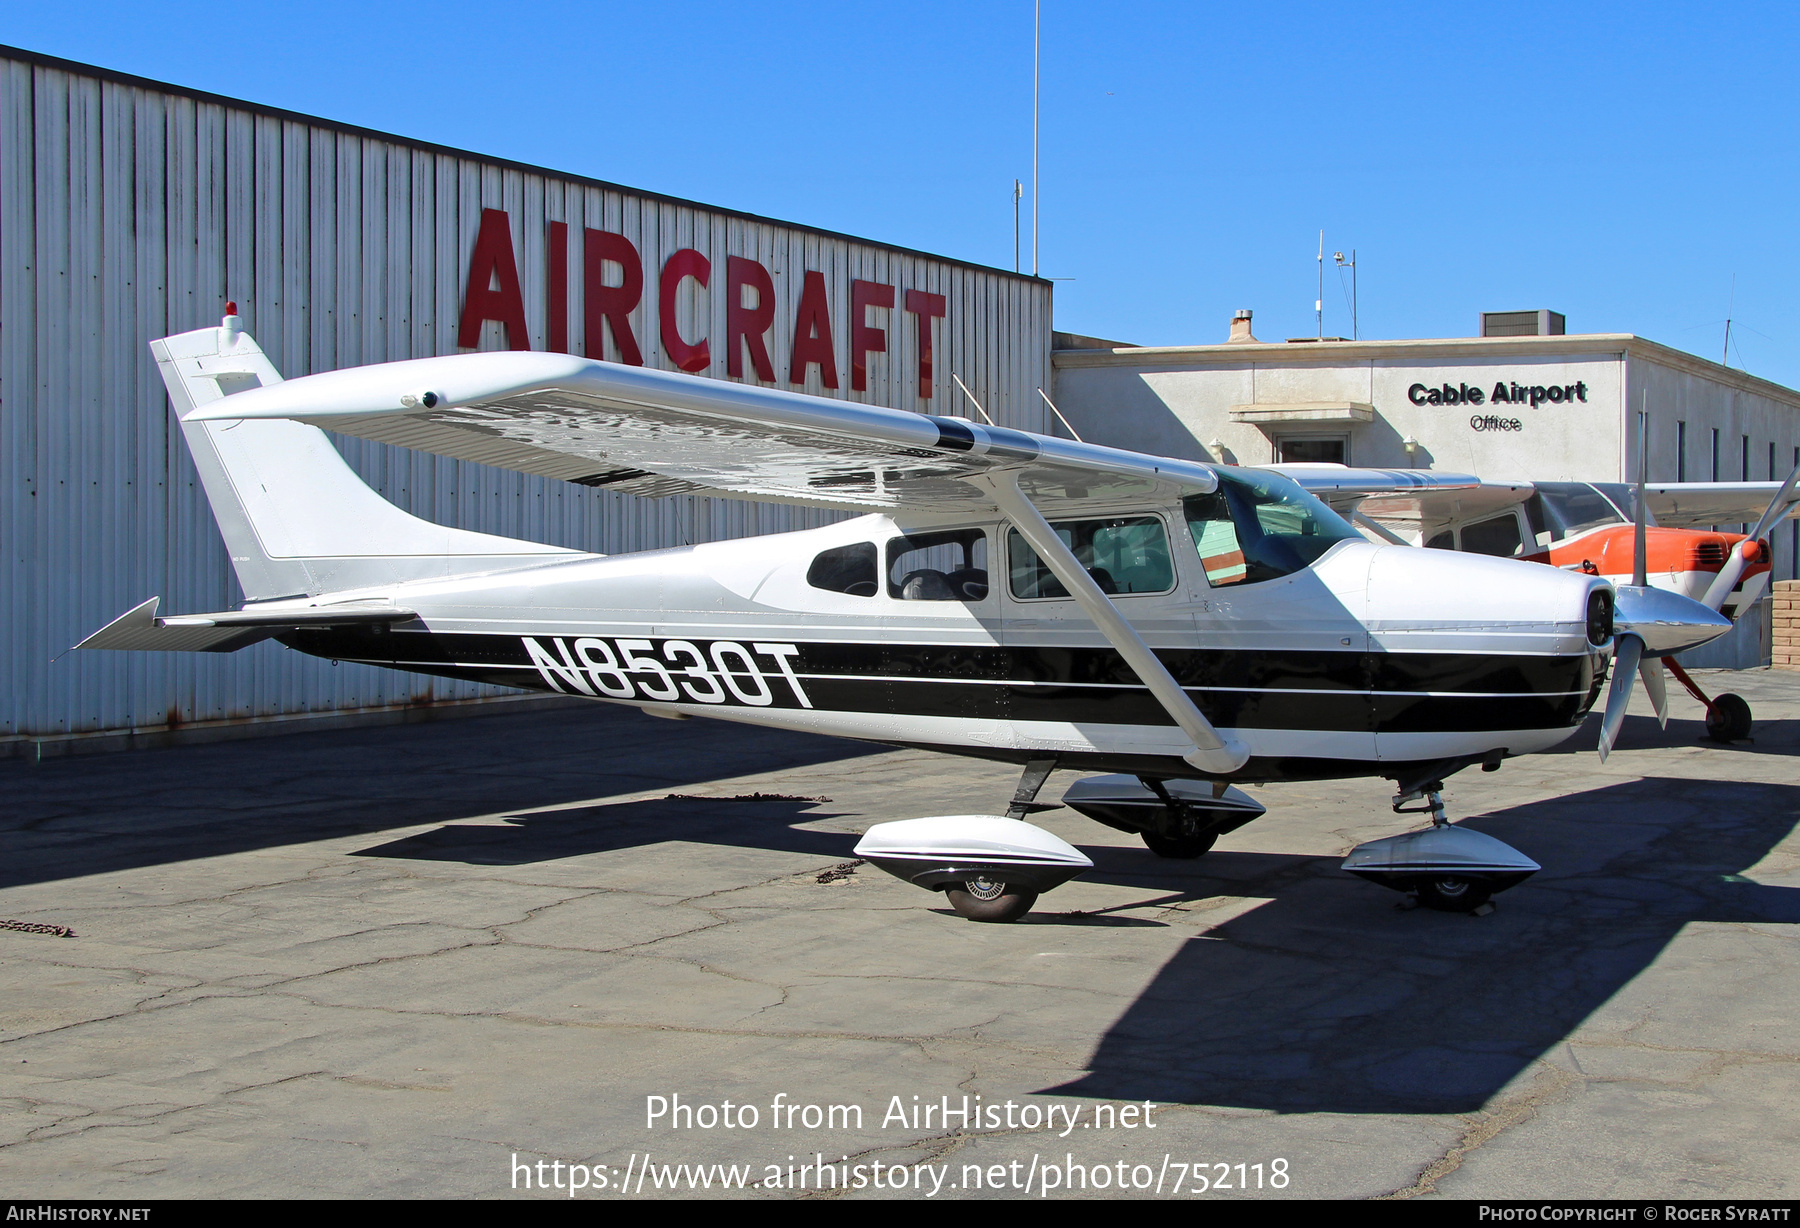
(655, 433)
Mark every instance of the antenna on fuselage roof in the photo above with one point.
(1059, 415)
(972, 400)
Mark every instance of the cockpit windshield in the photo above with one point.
(1562, 510)
(1261, 526)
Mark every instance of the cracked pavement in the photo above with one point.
(383, 962)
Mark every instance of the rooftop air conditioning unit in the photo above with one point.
(1522, 324)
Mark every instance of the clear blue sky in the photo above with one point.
(1619, 163)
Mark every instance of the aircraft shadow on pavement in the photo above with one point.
(1330, 999)
(78, 816)
(1767, 737)
(608, 827)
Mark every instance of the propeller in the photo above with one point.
(1750, 549)
(1629, 661)
(1650, 623)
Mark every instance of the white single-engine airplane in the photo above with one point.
(1035, 600)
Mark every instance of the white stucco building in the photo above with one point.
(1558, 407)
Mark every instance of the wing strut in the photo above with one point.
(1213, 752)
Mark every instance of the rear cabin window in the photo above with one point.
(1125, 555)
(949, 566)
(847, 569)
(1497, 535)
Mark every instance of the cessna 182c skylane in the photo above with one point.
(1034, 600)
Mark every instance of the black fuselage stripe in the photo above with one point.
(402, 663)
(1076, 686)
(1304, 670)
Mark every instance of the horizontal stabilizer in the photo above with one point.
(141, 630)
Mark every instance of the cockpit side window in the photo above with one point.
(950, 566)
(846, 569)
(1560, 510)
(1261, 526)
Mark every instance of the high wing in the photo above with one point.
(1342, 486)
(1697, 505)
(1432, 501)
(1417, 499)
(649, 432)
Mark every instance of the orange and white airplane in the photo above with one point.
(1589, 527)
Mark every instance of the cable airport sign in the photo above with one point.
(1505, 392)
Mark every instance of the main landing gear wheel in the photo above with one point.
(989, 899)
(1181, 848)
(1453, 893)
(1728, 719)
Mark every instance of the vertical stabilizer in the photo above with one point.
(295, 517)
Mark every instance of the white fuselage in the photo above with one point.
(1372, 656)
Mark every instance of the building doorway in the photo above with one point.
(1312, 449)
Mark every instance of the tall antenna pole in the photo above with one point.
(1037, 25)
(1319, 303)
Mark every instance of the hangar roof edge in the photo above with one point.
(1327, 352)
(42, 60)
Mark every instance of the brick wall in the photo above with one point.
(1784, 643)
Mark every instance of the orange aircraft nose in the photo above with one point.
(1677, 551)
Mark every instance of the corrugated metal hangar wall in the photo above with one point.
(130, 210)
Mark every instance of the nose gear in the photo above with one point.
(1444, 867)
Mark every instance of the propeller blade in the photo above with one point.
(1733, 571)
(1628, 650)
(1777, 505)
(1650, 673)
(1729, 575)
(1640, 554)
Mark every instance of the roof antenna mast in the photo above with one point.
(1725, 356)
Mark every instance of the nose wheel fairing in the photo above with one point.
(1444, 867)
(1407, 861)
